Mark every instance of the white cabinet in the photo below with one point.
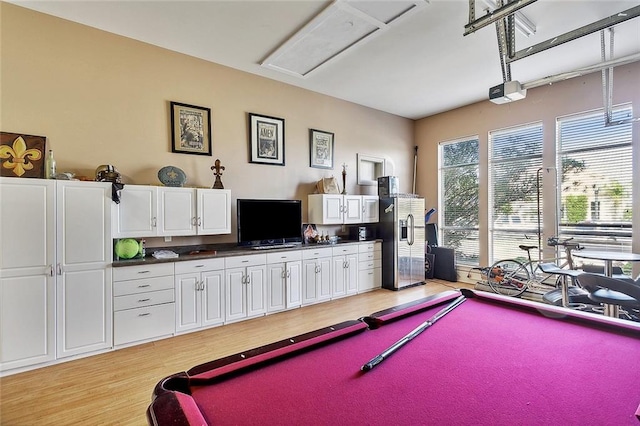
(199, 289)
(284, 280)
(143, 303)
(245, 286)
(214, 211)
(137, 213)
(83, 266)
(55, 282)
(27, 265)
(369, 266)
(328, 209)
(345, 270)
(316, 275)
(148, 211)
(370, 209)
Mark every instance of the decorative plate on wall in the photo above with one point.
(172, 176)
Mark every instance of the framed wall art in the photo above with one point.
(22, 155)
(320, 149)
(266, 139)
(190, 129)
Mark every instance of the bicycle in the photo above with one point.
(512, 277)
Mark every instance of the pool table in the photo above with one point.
(490, 360)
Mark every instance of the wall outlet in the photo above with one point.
(167, 239)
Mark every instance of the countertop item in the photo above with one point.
(172, 176)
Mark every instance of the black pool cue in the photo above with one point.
(406, 339)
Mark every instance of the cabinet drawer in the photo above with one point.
(142, 271)
(240, 261)
(284, 256)
(121, 303)
(375, 255)
(199, 265)
(143, 323)
(369, 247)
(344, 249)
(317, 252)
(122, 288)
(368, 264)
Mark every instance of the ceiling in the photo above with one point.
(420, 65)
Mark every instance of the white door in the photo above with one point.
(332, 211)
(212, 298)
(214, 211)
(370, 209)
(294, 284)
(235, 289)
(339, 276)
(276, 287)
(256, 290)
(137, 213)
(351, 273)
(310, 274)
(188, 300)
(27, 268)
(84, 255)
(178, 211)
(352, 209)
(324, 278)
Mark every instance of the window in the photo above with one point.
(595, 171)
(515, 206)
(458, 177)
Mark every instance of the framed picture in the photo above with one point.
(320, 149)
(190, 129)
(266, 137)
(22, 155)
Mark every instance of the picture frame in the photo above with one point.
(22, 156)
(266, 139)
(321, 149)
(190, 129)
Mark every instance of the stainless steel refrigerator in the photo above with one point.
(401, 227)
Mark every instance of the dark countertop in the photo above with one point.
(216, 250)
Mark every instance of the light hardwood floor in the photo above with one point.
(115, 388)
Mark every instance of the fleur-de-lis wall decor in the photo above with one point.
(22, 155)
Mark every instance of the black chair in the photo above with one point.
(611, 292)
(567, 295)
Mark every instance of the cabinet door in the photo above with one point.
(84, 255)
(351, 273)
(188, 300)
(212, 298)
(352, 209)
(339, 276)
(324, 278)
(235, 289)
(310, 274)
(178, 211)
(294, 284)
(214, 211)
(27, 328)
(276, 287)
(27, 283)
(137, 213)
(256, 290)
(84, 312)
(333, 209)
(370, 209)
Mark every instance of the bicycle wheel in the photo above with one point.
(509, 277)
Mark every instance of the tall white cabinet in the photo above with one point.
(55, 270)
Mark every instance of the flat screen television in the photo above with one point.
(269, 222)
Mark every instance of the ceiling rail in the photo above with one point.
(602, 24)
(492, 17)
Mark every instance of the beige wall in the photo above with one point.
(543, 104)
(104, 99)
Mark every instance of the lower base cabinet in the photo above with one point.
(369, 267)
(143, 302)
(245, 286)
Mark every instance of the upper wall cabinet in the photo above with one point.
(335, 209)
(149, 211)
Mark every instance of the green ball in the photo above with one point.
(127, 248)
